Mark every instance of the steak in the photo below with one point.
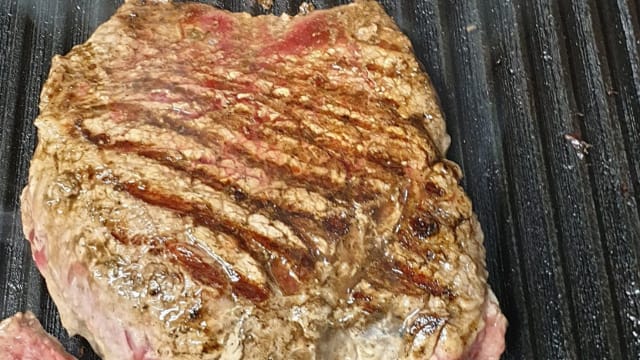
(23, 338)
(214, 185)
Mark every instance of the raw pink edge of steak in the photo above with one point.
(490, 343)
(75, 298)
(23, 338)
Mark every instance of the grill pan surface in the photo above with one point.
(521, 82)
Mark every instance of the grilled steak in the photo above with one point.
(23, 338)
(214, 185)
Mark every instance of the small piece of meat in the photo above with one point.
(23, 338)
(215, 185)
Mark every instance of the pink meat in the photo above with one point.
(23, 338)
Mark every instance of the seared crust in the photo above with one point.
(252, 186)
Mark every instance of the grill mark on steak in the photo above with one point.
(360, 189)
(194, 168)
(341, 123)
(311, 82)
(208, 269)
(230, 87)
(282, 272)
(202, 270)
(409, 278)
(318, 181)
(335, 226)
(404, 277)
(269, 101)
(303, 172)
(364, 163)
(364, 301)
(254, 203)
(318, 134)
(301, 261)
(351, 186)
(380, 112)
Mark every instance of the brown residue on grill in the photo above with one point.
(580, 146)
(266, 4)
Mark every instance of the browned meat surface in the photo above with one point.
(214, 185)
(23, 338)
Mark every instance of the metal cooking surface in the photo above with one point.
(521, 83)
